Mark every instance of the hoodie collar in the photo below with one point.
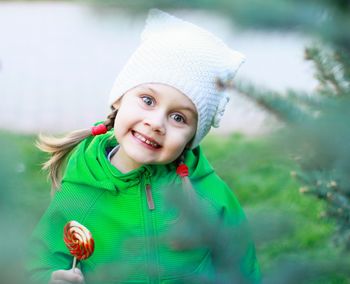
(88, 165)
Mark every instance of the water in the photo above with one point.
(58, 61)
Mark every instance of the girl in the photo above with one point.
(124, 179)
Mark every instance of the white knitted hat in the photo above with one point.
(186, 57)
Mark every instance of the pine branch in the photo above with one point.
(279, 106)
(325, 71)
(343, 59)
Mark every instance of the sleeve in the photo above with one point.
(235, 257)
(46, 251)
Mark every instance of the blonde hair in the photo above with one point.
(59, 149)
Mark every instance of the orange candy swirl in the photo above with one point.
(78, 240)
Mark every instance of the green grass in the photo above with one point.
(289, 234)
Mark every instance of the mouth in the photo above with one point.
(146, 140)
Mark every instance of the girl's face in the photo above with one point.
(154, 124)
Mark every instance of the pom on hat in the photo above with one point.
(182, 55)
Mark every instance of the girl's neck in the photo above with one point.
(123, 163)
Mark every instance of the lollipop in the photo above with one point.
(78, 240)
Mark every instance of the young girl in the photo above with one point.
(115, 178)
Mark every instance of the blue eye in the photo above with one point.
(178, 118)
(148, 100)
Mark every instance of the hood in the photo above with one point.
(88, 165)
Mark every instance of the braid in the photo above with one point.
(109, 122)
(60, 148)
(186, 207)
(186, 182)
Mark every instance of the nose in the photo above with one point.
(156, 122)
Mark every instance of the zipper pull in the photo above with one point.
(149, 196)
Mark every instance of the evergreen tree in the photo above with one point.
(318, 124)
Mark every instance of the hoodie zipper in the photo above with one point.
(150, 229)
(149, 197)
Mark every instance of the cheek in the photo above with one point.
(121, 125)
(125, 116)
(189, 135)
(180, 140)
(117, 132)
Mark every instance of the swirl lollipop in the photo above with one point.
(78, 240)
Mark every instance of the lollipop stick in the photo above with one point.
(74, 263)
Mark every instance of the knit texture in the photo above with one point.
(186, 57)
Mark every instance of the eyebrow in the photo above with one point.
(152, 90)
(190, 110)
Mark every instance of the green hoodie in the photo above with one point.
(144, 232)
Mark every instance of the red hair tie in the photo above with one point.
(182, 170)
(99, 129)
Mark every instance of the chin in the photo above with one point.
(142, 160)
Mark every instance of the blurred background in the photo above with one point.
(282, 146)
(58, 61)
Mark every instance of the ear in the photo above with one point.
(116, 104)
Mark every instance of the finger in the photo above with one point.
(68, 276)
(59, 282)
(77, 271)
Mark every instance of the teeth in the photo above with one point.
(143, 139)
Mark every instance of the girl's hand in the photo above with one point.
(67, 276)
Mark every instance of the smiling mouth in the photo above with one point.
(146, 140)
